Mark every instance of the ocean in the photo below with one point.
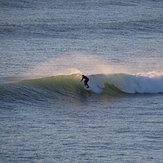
(47, 114)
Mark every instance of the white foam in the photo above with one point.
(151, 82)
(96, 83)
(143, 83)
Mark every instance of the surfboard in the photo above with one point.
(88, 89)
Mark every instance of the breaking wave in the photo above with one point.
(69, 85)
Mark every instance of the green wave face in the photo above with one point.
(69, 87)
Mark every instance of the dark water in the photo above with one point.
(47, 115)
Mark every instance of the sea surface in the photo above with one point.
(47, 115)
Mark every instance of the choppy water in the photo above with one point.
(47, 115)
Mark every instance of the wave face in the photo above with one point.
(58, 87)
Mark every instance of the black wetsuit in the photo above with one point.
(85, 80)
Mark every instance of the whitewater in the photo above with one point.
(139, 83)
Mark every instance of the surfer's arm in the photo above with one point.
(81, 79)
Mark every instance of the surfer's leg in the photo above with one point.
(86, 83)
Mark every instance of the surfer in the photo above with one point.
(86, 79)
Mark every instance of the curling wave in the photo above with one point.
(70, 86)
